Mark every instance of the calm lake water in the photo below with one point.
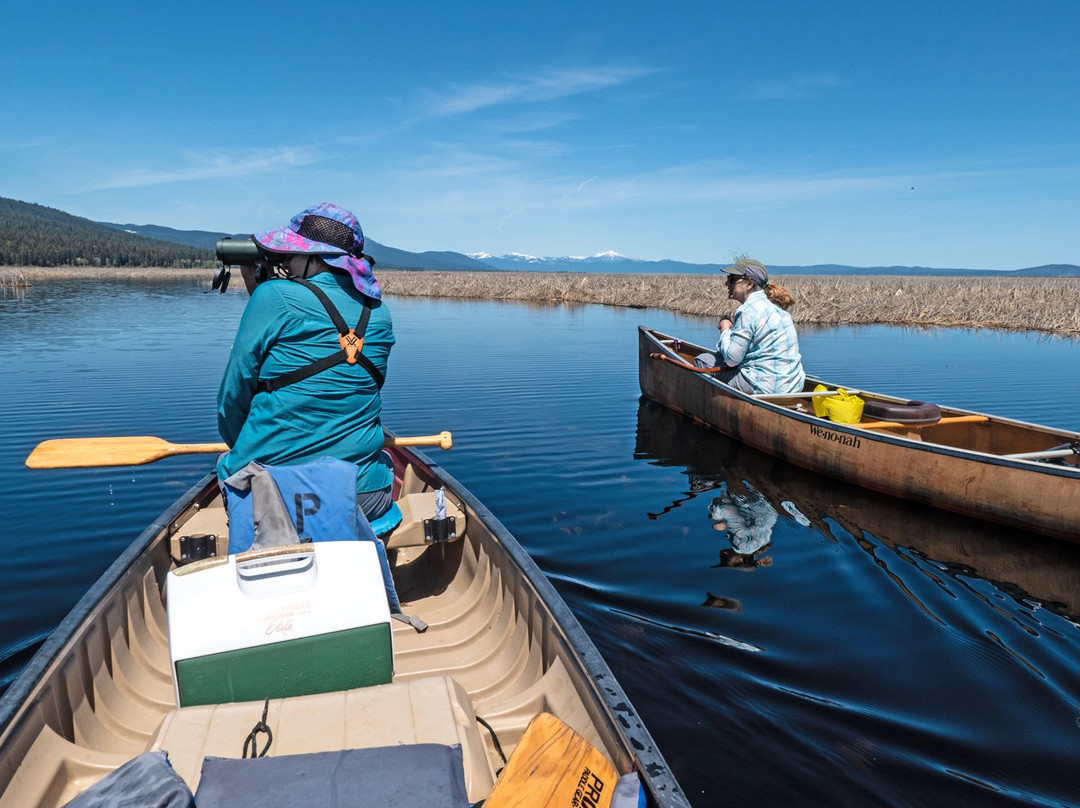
(888, 655)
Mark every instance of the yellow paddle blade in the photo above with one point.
(68, 453)
(553, 766)
(74, 453)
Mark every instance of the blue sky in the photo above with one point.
(941, 134)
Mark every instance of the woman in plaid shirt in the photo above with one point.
(758, 346)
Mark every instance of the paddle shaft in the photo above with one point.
(955, 419)
(136, 451)
(694, 368)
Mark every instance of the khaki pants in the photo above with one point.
(730, 377)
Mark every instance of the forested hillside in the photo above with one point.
(34, 235)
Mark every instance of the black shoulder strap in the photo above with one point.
(352, 342)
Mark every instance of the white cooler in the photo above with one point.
(279, 622)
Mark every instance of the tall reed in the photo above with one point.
(1028, 304)
(1050, 305)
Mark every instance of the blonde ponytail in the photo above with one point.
(779, 296)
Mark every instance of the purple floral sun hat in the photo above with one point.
(334, 235)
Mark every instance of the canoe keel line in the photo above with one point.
(1002, 470)
(503, 673)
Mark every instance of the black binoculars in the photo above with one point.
(243, 250)
(239, 250)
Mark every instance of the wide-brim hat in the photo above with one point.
(750, 268)
(334, 235)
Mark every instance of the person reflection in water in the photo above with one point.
(748, 519)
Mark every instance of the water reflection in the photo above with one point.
(748, 519)
(755, 491)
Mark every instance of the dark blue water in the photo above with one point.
(874, 654)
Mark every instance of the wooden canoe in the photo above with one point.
(501, 649)
(1006, 471)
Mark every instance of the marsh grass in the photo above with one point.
(1026, 304)
(13, 279)
(32, 275)
(1050, 305)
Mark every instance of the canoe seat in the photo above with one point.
(411, 510)
(433, 709)
(416, 509)
(210, 525)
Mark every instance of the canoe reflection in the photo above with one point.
(752, 489)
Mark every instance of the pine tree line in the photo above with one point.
(34, 235)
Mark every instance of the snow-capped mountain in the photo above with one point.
(603, 262)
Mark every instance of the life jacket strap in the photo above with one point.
(351, 352)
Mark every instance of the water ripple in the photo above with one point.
(884, 654)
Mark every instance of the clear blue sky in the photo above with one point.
(942, 133)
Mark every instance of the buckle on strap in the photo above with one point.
(352, 345)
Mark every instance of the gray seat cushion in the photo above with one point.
(145, 780)
(422, 775)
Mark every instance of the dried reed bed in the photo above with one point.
(32, 275)
(1050, 305)
(13, 279)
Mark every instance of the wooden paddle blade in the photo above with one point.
(72, 453)
(69, 453)
(553, 766)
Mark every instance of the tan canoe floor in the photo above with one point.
(484, 654)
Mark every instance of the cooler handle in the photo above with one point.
(275, 570)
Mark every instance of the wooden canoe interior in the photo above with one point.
(488, 652)
(994, 436)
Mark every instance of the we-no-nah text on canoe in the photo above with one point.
(828, 434)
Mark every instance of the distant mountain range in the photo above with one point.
(75, 240)
(614, 262)
(389, 257)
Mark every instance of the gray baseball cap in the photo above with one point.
(750, 268)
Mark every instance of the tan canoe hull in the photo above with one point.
(500, 645)
(954, 466)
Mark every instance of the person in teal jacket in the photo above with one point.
(274, 405)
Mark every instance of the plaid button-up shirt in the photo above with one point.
(763, 344)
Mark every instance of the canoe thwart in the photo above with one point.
(802, 394)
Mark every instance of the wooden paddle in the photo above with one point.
(72, 453)
(955, 419)
(553, 767)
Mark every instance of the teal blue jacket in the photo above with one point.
(331, 414)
